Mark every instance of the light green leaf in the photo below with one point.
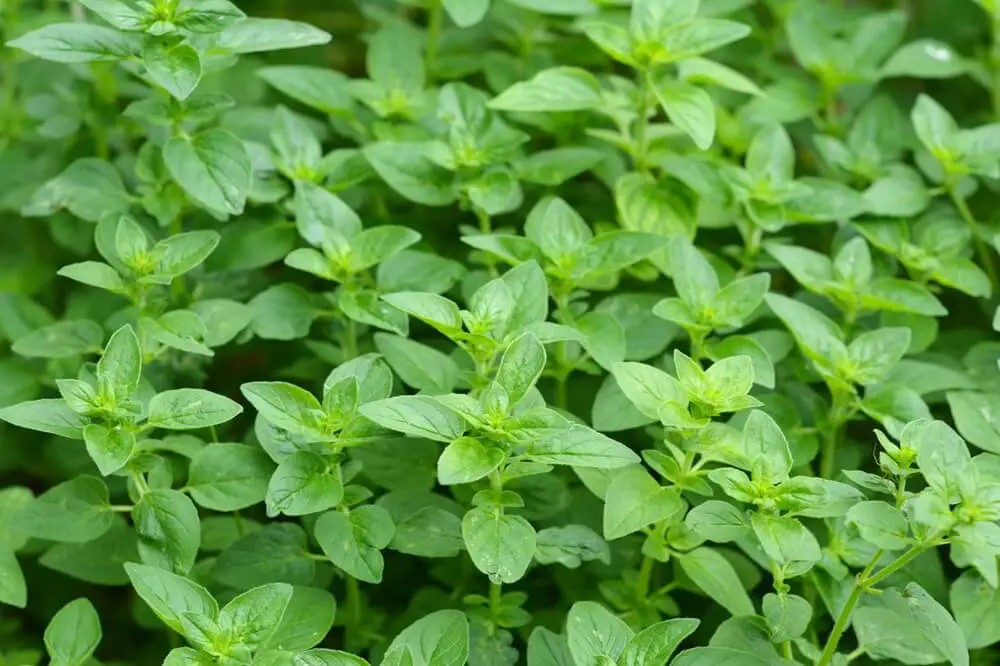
(213, 167)
(635, 500)
(500, 545)
(73, 634)
(552, 90)
(189, 409)
(354, 541)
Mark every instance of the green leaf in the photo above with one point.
(94, 274)
(119, 13)
(306, 621)
(298, 149)
(275, 553)
(935, 127)
(557, 229)
(656, 643)
(719, 656)
(973, 603)
(703, 71)
(520, 367)
(47, 415)
(99, 561)
(593, 632)
(78, 42)
(252, 617)
(785, 539)
(713, 573)
(229, 477)
(580, 446)
(109, 448)
(690, 109)
(13, 589)
(354, 541)
(648, 388)
(880, 524)
(466, 459)
(500, 545)
(287, 407)
(282, 312)
(874, 354)
(556, 89)
(61, 339)
(438, 311)
(788, 615)
(418, 365)
(416, 416)
(170, 596)
(175, 68)
(925, 59)
(213, 167)
(254, 35)
(570, 545)
(635, 500)
(977, 418)
(699, 36)
(407, 170)
(120, 366)
(190, 409)
(74, 511)
(717, 521)
(207, 16)
(167, 525)
(911, 627)
(466, 13)
(73, 634)
(440, 638)
(320, 88)
(304, 483)
(766, 448)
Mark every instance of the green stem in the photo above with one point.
(642, 122)
(496, 592)
(121, 508)
(140, 483)
(995, 67)
(562, 351)
(981, 249)
(350, 340)
(835, 422)
(645, 577)
(864, 582)
(486, 228)
(433, 36)
(353, 601)
(562, 394)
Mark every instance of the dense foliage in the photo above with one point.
(557, 332)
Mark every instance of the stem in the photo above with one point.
(140, 483)
(995, 66)
(121, 508)
(981, 249)
(496, 591)
(642, 122)
(433, 36)
(485, 227)
(178, 287)
(562, 351)
(864, 582)
(896, 565)
(645, 577)
(350, 341)
(835, 421)
(562, 395)
(353, 602)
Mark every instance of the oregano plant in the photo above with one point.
(499, 332)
